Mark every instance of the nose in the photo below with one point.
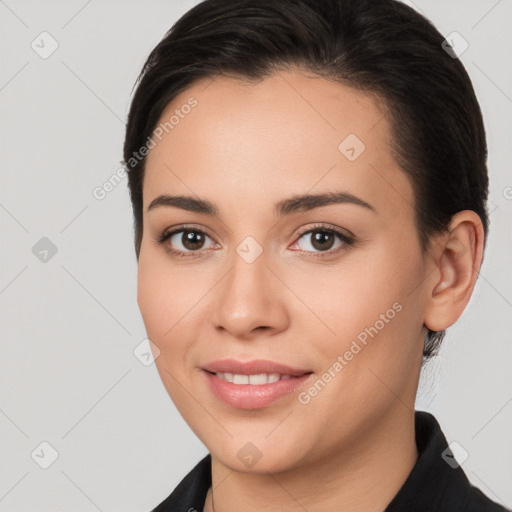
(250, 300)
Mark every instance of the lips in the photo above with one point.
(254, 367)
(253, 384)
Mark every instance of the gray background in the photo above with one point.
(70, 324)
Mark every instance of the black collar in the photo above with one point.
(432, 486)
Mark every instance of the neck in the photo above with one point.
(363, 477)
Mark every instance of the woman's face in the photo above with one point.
(259, 282)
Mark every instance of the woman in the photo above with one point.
(309, 186)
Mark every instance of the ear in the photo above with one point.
(458, 257)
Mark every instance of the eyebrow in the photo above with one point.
(297, 203)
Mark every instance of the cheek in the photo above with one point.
(172, 299)
(152, 296)
(373, 309)
(352, 296)
(163, 305)
(164, 294)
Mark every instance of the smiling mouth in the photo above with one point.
(257, 379)
(253, 391)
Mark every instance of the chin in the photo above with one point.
(258, 458)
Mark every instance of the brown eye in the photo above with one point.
(192, 240)
(322, 240)
(184, 242)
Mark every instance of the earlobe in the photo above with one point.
(458, 256)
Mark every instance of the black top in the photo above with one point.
(432, 486)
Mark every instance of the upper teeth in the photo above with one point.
(260, 378)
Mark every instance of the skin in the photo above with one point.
(245, 147)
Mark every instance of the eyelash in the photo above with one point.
(347, 241)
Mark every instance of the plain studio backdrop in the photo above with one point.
(85, 424)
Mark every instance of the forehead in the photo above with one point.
(287, 134)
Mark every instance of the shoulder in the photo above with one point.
(437, 481)
(190, 493)
(477, 501)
